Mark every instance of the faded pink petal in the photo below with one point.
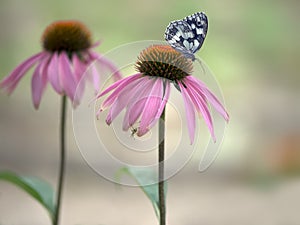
(122, 100)
(118, 86)
(164, 102)
(38, 83)
(107, 64)
(66, 76)
(201, 107)
(94, 77)
(151, 106)
(117, 93)
(137, 102)
(190, 112)
(11, 81)
(133, 113)
(202, 88)
(79, 67)
(53, 75)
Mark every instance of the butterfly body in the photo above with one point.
(187, 35)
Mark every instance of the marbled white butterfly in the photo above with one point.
(187, 35)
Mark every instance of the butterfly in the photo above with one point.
(187, 35)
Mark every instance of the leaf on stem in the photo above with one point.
(39, 189)
(147, 180)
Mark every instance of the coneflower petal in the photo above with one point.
(94, 77)
(201, 107)
(163, 103)
(137, 103)
(133, 113)
(190, 112)
(11, 81)
(202, 88)
(53, 74)
(38, 83)
(79, 67)
(151, 107)
(66, 76)
(122, 99)
(119, 84)
(165, 99)
(102, 61)
(118, 88)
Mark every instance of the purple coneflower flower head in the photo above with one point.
(67, 53)
(145, 94)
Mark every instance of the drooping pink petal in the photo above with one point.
(116, 93)
(162, 104)
(94, 77)
(94, 63)
(151, 106)
(120, 83)
(202, 88)
(122, 100)
(53, 74)
(67, 76)
(201, 107)
(79, 67)
(118, 86)
(164, 100)
(137, 103)
(217, 104)
(11, 81)
(190, 112)
(133, 113)
(39, 82)
(104, 62)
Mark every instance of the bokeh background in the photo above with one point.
(253, 49)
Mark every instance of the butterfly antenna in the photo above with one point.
(198, 60)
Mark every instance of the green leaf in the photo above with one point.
(144, 177)
(38, 189)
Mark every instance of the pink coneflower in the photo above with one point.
(145, 94)
(65, 57)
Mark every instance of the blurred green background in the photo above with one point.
(254, 50)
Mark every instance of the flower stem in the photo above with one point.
(161, 158)
(62, 158)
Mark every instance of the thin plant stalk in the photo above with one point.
(161, 158)
(62, 159)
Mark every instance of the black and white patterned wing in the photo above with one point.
(187, 35)
(199, 26)
(177, 35)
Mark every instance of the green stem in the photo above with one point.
(62, 158)
(161, 158)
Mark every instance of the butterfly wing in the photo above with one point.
(199, 26)
(187, 35)
(177, 35)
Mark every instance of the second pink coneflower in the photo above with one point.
(66, 56)
(67, 53)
